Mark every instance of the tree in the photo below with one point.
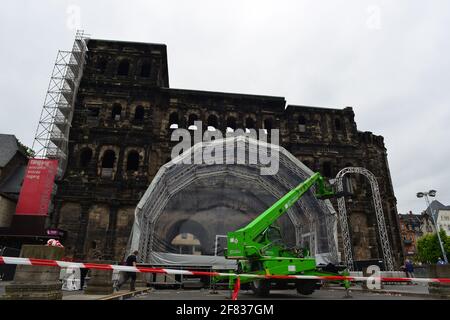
(428, 248)
(27, 150)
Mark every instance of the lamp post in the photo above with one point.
(432, 193)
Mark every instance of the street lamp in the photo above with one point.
(432, 193)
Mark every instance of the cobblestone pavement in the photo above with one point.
(402, 292)
(326, 294)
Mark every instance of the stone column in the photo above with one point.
(100, 281)
(141, 280)
(54, 216)
(36, 283)
(111, 232)
(82, 231)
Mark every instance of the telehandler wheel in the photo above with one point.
(260, 288)
(306, 287)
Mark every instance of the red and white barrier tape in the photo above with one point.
(66, 264)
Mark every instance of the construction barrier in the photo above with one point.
(67, 264)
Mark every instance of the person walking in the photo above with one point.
(83, 274)
(440, 261)
(409, 269)
(130, 262)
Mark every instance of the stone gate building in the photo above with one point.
(120, 136)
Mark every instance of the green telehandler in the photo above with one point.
(259, 249)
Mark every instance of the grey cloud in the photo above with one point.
(323, 53)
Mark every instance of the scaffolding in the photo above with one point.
(382, 232)
(312, 222)
(52, 134)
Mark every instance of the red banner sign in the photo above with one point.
(37, 187)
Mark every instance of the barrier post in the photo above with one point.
(36, 282)
(440, 289)
(141, 280)
(100, 281)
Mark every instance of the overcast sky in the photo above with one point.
(389, 60)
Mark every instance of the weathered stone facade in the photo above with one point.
(120, 136)
(7, 209)
(13, 161)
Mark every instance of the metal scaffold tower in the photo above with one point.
(343, 218)
(52, 134)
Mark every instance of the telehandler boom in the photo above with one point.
(259, 249)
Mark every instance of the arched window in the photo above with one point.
(109, 158)
(249, 123)
(213, 123)
(124, 67)
(174, 121)
(85, 157)
(192, 118)
(145, 69)
(116, 111)
(268, 124)
(326, 169)
(139, 113)
(133, 161)
(102, 62)
(348, 181)
(231, 124)
(337, 124)
(301, 124)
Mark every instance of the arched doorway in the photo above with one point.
(186, 237)
(224, 197)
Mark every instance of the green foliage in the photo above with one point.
(428, 248)
(28, 151)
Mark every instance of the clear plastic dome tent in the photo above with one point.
(209, 200)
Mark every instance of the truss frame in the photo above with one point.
(343, 218)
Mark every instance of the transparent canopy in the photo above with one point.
(200, 203)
